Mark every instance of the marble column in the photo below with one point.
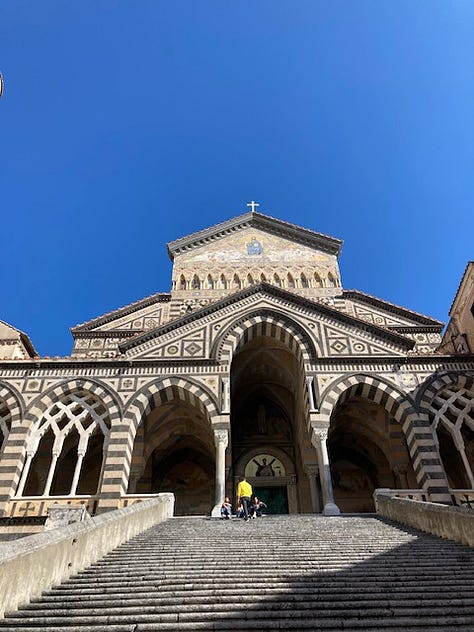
(312, 472)
(221, 441)
(319, 440)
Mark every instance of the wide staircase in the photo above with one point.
(272, 573)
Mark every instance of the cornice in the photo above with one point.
(270, 290)
(159, 297)
(466, 362)
(256, 220)
(391, 307)
(409, 329)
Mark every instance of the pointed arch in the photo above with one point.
(263, 278)
(290, 281)
(223, 282)
(421, 445)
(196, 283)
(210, 282)
(331, 281)
(317, 280)
(182, 282)
(236, 283)
(250, 280)
(304, 280)
(276, 280)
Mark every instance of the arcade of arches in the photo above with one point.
(256, 363)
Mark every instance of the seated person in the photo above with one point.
(257, 508)
(240, 511)
(226, 509)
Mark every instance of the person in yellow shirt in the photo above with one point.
(244, 495)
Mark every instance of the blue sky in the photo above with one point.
(125, 125)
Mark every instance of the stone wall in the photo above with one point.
(34, 564)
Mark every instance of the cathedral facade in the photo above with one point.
(256, 363)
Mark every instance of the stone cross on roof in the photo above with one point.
(252, 205)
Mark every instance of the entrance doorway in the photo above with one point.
(276, 499)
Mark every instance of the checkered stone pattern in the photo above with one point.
(269, 324)
(416, 427)
(119, 455)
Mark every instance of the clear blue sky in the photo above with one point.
(127, 124)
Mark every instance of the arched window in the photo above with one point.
(196, 283)
(317, 280)
(263, 278)
(223, 282)
(304, 280)
(331, 280)
(276, 280)
(250, 280)
(236, 284)
(290, 280)
(182, 282)
(70, 440)
(210, 282)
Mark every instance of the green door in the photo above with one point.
(275, 498)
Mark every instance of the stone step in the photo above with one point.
(303, 573)
(319, 606)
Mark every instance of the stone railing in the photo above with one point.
(33, 506)
(33, 564)
(446, 521)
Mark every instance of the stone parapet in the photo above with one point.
(34, 564)
(452, 523)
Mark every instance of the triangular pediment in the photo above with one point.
(334, 334)
(257, 222)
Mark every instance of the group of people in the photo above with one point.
(246, 508)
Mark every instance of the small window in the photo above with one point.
(263, 278)
(182, 282)
(317, 280)
(277, 280)
(250, 280)
(223, 282)
(210, 282)
(236, 284)
(304, 280)
(196, 282)
(331, 280)
(290, 281)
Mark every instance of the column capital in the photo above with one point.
(319, 435)
(221, 437)
(311, 470)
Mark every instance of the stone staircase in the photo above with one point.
(273, 573)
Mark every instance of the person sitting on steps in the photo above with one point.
(257, 508)
(226, 509)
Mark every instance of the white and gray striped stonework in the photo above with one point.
(424, 453)
(119, 455)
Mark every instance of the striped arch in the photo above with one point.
(119, 456)
(13, 446)
(167, 389)
(12, 401)
(423, 450)
(264, 322)
(463, 380)
(394, 401)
